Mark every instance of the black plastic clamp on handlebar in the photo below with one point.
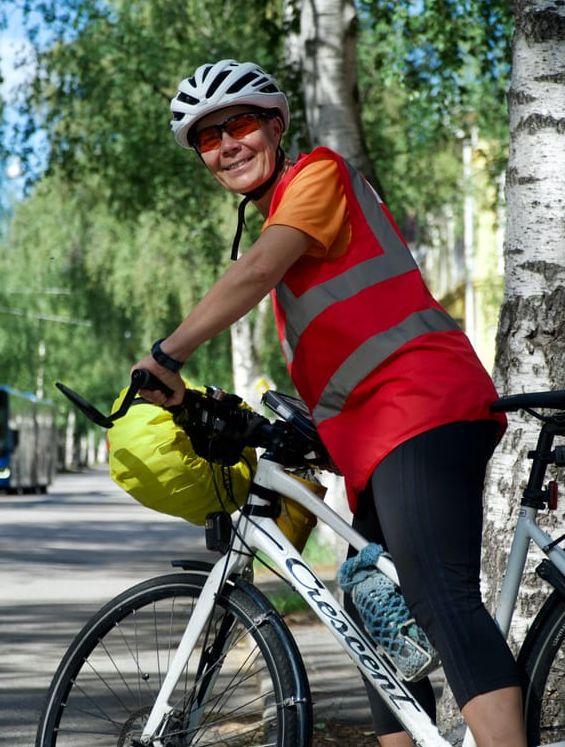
(140, 379)
(218, 426)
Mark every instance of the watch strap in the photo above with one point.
(163, 359)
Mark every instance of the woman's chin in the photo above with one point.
(241, 183)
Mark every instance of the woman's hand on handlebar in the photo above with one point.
(172, 380)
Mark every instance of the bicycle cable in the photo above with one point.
(252, 553)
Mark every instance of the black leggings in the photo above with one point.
(424, 505)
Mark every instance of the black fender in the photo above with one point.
(191, 564)
(553, 576)
(302, 697)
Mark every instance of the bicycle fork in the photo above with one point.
(159, 716)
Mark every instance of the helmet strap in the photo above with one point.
(255, 195)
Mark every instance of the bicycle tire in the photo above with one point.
(107, 681)
(542, 664)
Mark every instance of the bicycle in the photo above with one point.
(201, 657)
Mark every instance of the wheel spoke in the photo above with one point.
(102, 713)
(219, 700)
(118, 672)
(217, 664)
(228, 716)
(118, 662)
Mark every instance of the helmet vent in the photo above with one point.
(241, 82)
(186, 98)
(216, 83)
(221, 84)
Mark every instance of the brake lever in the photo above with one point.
(84, 406)
(140, 379)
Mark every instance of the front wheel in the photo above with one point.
(244, 683)
(542, 662)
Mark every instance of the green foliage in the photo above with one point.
(96, 290)
(126, 231)
(104, 90)
(430, 72)
(127, 224)
(287, 602)
(318, 552)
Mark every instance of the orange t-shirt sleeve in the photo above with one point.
(315, 203)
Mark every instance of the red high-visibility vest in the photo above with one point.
(376, 359)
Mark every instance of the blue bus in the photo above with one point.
(28, 444)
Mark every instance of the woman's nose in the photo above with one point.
(229, 143)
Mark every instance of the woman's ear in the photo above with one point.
(277, 126)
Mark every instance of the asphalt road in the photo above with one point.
(61, 557)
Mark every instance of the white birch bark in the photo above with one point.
(70, 440)
(244, 365)
(247, 337)
(102, 451)
(531, 332)
(90, 449)
(325, 52)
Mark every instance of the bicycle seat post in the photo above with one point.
(535, 495)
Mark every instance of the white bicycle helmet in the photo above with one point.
(224, 83)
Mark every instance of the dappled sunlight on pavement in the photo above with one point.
(62, 556)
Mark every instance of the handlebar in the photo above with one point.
(146, 380)
(218, 424)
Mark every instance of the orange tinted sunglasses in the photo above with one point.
(238, 126)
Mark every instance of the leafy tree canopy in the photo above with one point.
(94, 291)
(130, 227)
(431, 71)
(105, 80)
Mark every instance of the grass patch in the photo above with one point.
(318, 553)
(287, 602)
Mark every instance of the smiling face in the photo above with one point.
(242, 165)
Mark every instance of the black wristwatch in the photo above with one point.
(163, 359)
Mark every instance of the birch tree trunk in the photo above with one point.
(531, 332)
(247, 336)
(325, 52)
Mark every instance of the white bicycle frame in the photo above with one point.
(526, 530)
(261, 533)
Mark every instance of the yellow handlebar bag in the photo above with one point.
(152, 459)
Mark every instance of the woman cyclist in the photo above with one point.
(394, 387)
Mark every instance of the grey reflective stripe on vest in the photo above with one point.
(372, 353)
(378, 221)
(396, 260)
(301, 311)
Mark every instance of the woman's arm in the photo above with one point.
(241, 288)
(245, 283)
